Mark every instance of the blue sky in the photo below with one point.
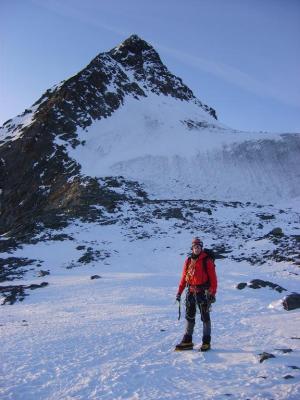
(241, 57)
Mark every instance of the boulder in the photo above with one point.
(265, 356)
(291, 302)
(95, 277)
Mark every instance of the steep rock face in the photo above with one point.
(36, 172)
(143, 62)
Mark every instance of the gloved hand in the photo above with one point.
(211, 298)
(178, 297)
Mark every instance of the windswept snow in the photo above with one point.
(179, 151)
(13, 129)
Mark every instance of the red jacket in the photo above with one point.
(198, 275)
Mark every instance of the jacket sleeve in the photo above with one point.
(182, 283)
(211, 271)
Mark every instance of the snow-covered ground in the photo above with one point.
(113, 337)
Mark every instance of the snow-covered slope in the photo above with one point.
(179, 151)
(126, 114)
(113, 337)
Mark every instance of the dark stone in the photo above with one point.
(36, 286)
(13, 267)
(13, 293)
(61, 237)
(266, 217)
(42, 273)
(288, 377)
(291, 301)
(285, 350)
(259, 283)
(276, 232)
(293, 367)
(95, 277)
(265, 356)
(241, 285)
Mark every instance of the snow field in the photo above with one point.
(113, 338)
(149, 140)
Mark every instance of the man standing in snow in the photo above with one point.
(199, 276)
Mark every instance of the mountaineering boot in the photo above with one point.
(205, 343)
(185, 344)
(205, 347)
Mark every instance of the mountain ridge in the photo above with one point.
(130, 117)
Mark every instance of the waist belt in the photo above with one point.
(198, 288)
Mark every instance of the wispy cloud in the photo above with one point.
(91, 16)
(235, 76)
(79, 12)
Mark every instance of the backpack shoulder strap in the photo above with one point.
(204, 263)
(209, 255)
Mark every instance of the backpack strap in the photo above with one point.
(204, 263)
(209, 255)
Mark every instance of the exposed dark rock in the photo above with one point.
(38, 180)
(291, 301)
(92, 255)
(61, 237)
(259, 283)
(17, 292)
(168, 213)
(42, 273)
(285, 351)
(265, 356)
(95, 277)
(266, 217)
(145, 63)
(220, 251)
(13, 267)
(293, 366)
(288, 377)
(276, 232)
(241, 285)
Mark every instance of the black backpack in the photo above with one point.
(210, 255)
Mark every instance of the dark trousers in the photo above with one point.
(192, 302)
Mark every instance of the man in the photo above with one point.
(199, 276)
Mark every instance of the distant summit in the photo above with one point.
(36, 173)
(126, 120)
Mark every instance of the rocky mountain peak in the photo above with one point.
(135, 51)
(37, 176)
(133, 44)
